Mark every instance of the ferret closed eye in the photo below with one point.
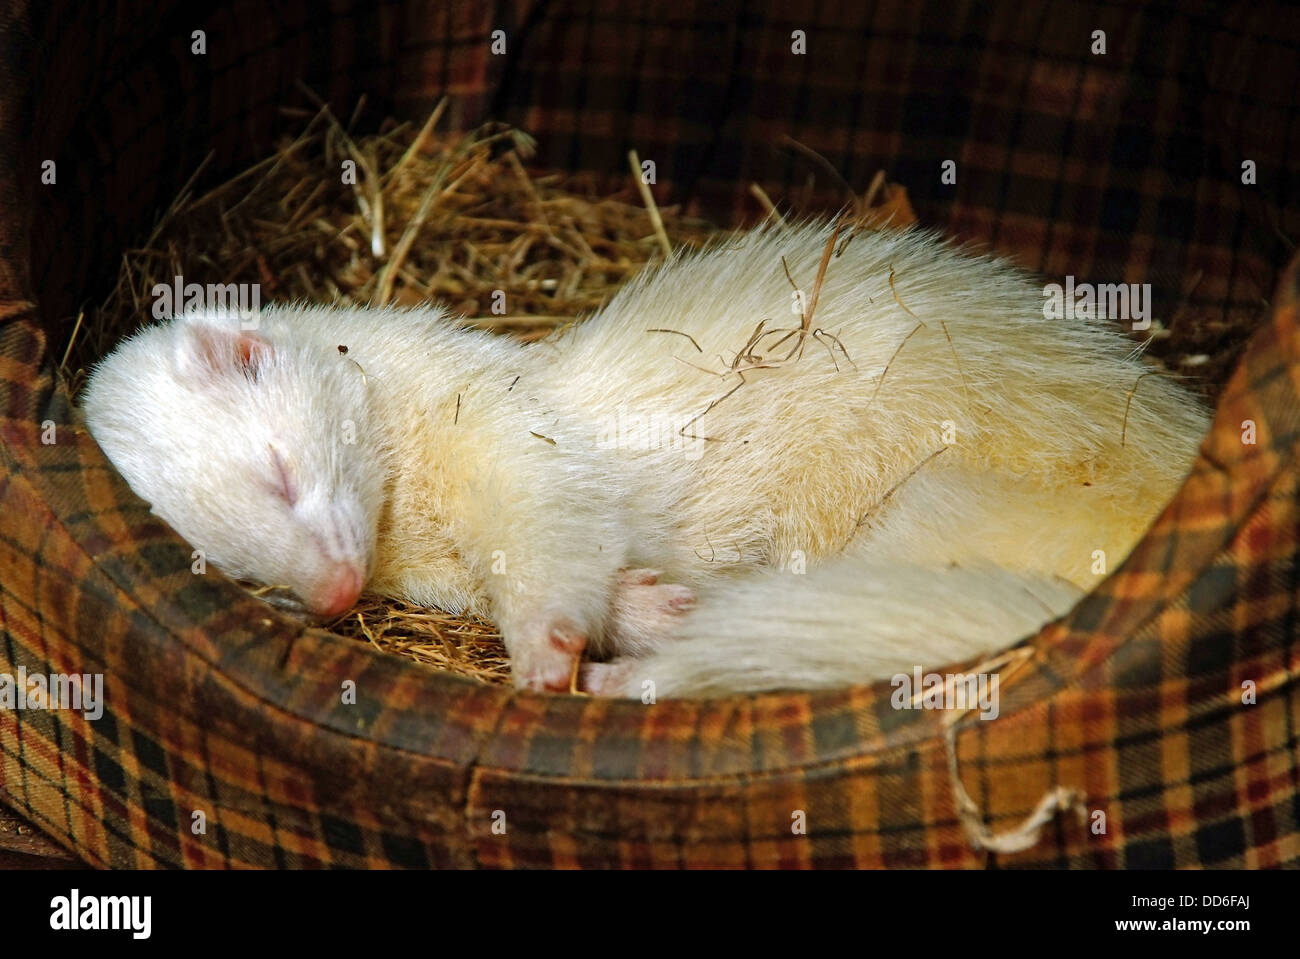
(719, 483)
(284, 484)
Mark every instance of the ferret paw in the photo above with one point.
(547, 658)
(644, 612)
(615, 680)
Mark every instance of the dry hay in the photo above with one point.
(458, 644)
(451, 218)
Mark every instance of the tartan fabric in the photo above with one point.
(1125, 167)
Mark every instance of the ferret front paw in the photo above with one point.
(546, 656)
(645, 612)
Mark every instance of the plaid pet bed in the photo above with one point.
(1153, 726)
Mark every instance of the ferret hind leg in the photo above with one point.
(854, 620)
(644, 612)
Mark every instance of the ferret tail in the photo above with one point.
(854, 620)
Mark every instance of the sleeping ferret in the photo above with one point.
(731, 478)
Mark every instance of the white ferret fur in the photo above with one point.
(667, 485)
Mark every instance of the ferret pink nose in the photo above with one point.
(340, 591)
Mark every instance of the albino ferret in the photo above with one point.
(684, 485)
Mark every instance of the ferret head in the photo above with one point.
(257, 447)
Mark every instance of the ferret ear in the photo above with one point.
(207, 354)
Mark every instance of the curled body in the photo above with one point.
(685, 487)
